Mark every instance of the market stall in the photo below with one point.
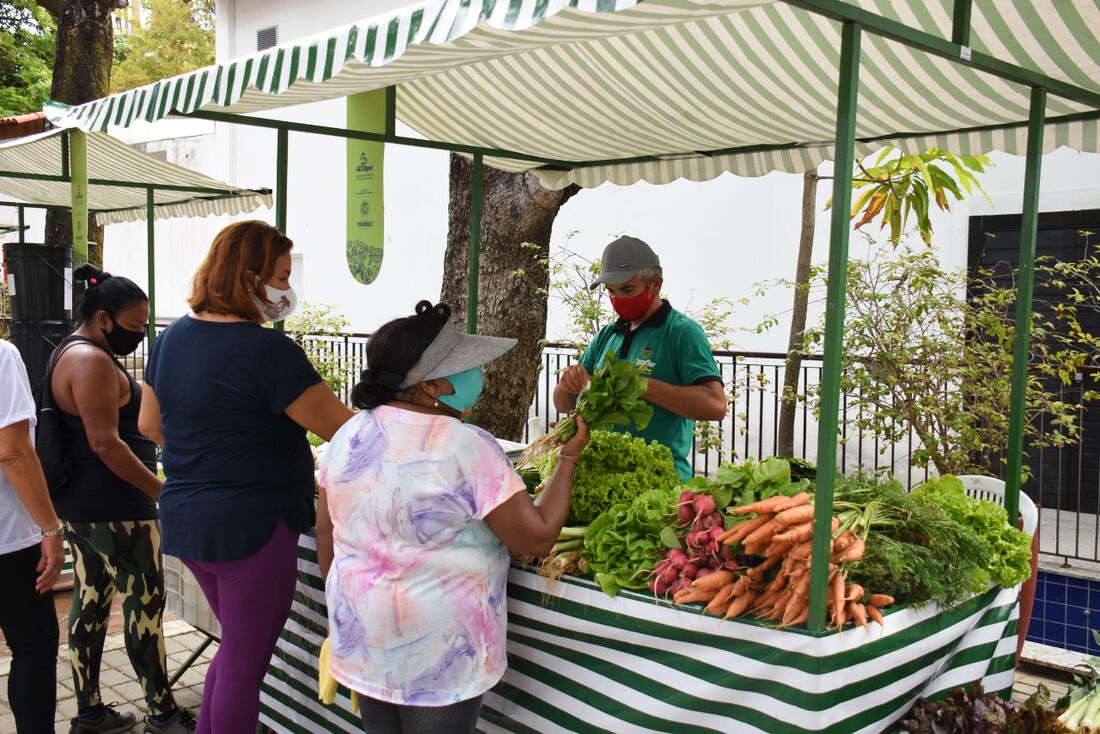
(656, 91)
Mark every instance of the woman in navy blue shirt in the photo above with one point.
(230, 402)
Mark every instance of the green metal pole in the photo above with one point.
(282, 146)
(960, 22)
(391, 111)
(475, 243)
(1024, 291)
(839, 231)
(151, 264)
(22, 240)
(78, 170)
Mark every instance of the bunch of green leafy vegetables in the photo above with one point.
(751, 481)
(613, 398)
(624, 543)
(914, 551)
(614, 468)
(1011, 548)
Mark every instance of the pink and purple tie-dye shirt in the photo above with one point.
(416, 591)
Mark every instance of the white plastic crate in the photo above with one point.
(183, 598)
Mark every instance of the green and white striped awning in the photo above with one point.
(118, 180)
(629, 90)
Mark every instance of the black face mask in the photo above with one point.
(122, 341)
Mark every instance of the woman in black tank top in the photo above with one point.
(108, 505)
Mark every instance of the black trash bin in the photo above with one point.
(40, 277)
(35, 340)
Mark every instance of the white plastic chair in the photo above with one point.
(989, 488)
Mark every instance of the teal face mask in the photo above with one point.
(468, 386)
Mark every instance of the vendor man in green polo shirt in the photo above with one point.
(671, 350)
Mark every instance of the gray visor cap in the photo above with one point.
(622, 259)
(454, 351)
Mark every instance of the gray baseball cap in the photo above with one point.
(622, 259)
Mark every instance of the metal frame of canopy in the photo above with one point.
(79, 181)
(854, 22)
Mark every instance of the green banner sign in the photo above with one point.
(78, 175)
(365, 231)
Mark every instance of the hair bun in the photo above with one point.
(440, 312)
(90, 274)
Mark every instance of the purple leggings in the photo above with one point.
(251, 599)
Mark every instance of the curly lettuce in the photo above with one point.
(613, 469)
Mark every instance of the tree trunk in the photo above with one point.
(793, 366)
(517, 218)
(81, 73)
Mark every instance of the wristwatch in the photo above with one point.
(59, 530)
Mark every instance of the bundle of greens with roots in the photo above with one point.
(613, 397)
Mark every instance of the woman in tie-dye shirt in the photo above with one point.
(417, 514)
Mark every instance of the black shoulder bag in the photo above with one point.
(49, 433)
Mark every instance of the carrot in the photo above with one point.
(875, 614)
(880, 600)
(836, 596)
(690, 595)
(755, 574)
(740, 604)
(795, 515)
(796, 533)
(853, 593)
(843, 540)
(798, 619)
(770, 504)
(713, 581)
(721, 599)
(769, 562)
(858, 613)
(853, 552)
(740, 586)
(778, 548)
(794, 501)
(802, 551)
(761, 535)
(740, 530)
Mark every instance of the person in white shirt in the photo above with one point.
(31, 555)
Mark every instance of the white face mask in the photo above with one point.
(282, 305)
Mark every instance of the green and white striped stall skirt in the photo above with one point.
(579, 661)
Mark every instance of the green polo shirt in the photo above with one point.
(668, 347)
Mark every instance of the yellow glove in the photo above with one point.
(326, 684)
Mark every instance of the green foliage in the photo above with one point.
(1011, 548)
(623, 544)
(28, 37)
(915, 551)
(178, 37)
(320, 319)
(614, 468)
(752, 481)
(614, 396)
(919, 353)
(899, 185)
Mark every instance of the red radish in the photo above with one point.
(667, 576)
(686, 496)
(689, 570)
(711, 547)
(703, 504)
(697, 557)
(725, 553)
(703, 572)
(709, 522)
(685, 514)
(716, 532)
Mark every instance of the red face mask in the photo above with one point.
(633, 308)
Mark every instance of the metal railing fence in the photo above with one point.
(1065, 482)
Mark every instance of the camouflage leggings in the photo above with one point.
(122, 557)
